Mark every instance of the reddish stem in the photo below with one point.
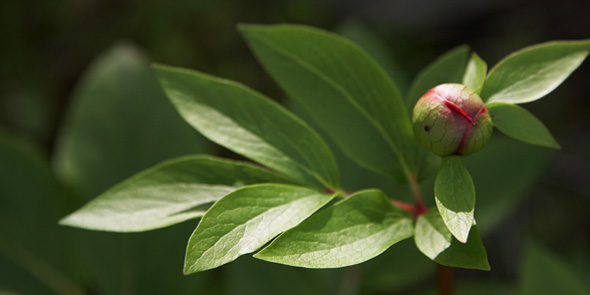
(420, 208)
(444, 278)
(404, 206)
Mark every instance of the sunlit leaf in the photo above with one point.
(245, 220)
(250, 124)
(350, 232)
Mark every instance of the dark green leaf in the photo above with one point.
(120, 122)
(455, 197)
(475, 74)
(33, 253)
(500, 193)
(343, 90)
(245, 220)
(448, 68)
(248, 123)
(166, 194)
(436, 242)
(252, 276)
(375, 45)
(531, 73)
(399, 268)
(350, 232)
(543, 273)
(520, 124)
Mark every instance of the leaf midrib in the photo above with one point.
(242, 226)
(347, 244)
(527, 79)
(346, 94)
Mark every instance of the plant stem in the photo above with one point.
(444, 278)
(351, 280)
(420, 208)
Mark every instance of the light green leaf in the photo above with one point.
(436, 242)
(520, 124)
(248, 123)
(455, 197)
(169, 193)
(119, 123)
(448, 68)
(344, 91)
(533, 72)
(544, 273)
(350, 232)
(245, 220)
(475, 73)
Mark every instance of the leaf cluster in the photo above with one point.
(289, 206)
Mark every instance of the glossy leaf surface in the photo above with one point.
(518, 123)
(344, 91)
(455, 197)
(250, 124)
(436, 242)
(531, 73)
(166, 194)
(245, 220)
(475, 73)
(350, 232)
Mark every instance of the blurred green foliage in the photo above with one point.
(47, 46)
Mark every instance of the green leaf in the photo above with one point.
(169, 193)
(436, 242)
(520, 124)
(248, 123)
(344, 91)
(376, 46)
(543, 273)
(521, 165)
(475, 73)
(33, 251)
(448, 68)
(455, 197)
(119, 123)
(350, 232)
(245, 220)
(533, 72)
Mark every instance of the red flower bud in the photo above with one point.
(451, 119)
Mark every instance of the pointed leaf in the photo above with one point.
(248, 123)
(245, 220)
(376, 46)
(518, 123)
(167, 194)
(343, 89)
(455, 197)
(448, 68)
(475, 74)
(436, 242)
(119, 123)
(533, 72)
(350, 232)
(521, 165)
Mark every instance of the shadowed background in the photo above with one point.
(59, 59)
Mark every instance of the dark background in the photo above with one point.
(47, 45)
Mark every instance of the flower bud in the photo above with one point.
(451, 119)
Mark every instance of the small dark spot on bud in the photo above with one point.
(427, 128)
